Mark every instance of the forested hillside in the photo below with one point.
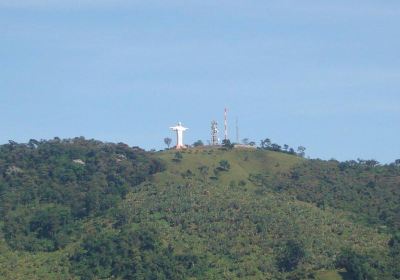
(369, 190)
(83, 209)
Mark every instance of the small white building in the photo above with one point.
(242, 146)
(79, 161)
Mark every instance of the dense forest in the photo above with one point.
(84, 209)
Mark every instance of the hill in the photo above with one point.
(83, 209)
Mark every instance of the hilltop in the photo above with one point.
(83, 209)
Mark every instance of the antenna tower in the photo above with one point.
(226, 123)
(214, 133)
(237, 131)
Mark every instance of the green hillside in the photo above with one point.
(82, 209)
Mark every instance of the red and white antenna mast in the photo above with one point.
(226, 123)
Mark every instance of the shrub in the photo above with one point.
(178, 157)
(224, 165)
(291, 255)
(360, 267)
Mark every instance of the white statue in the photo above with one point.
(179, 135)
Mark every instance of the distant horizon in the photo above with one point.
(323, 75)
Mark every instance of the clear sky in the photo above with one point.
(323, 74)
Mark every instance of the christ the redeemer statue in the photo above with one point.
(179, 135)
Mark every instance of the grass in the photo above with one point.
(243, 162)
(333, 275)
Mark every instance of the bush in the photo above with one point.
(224, 165)
(291, 255)
(360, 267)
(178, 157)
(198, 143)
(242, 183)
(226, 143)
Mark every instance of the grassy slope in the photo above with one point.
(243, 162)
(333, 275)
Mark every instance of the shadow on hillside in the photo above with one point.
(345, 275)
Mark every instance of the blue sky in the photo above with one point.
(322, 74)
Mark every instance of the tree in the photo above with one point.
(301, 151)
(394, 247)
(226, 143)
(291, 255)
(167, 141)
(371, 163)
(358, 266)
(286, 147)
(198, 143)
(394, 244)
(245, 141)
(266, 143)
(252, 143)
(275, 147)
(33, 143)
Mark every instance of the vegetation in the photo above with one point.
(198, 143)
(226, 143)
(266, 144)
(129, 254)
(83, 209)
(178, 157)
(364, 188)
(48, 188)
(167, 141)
